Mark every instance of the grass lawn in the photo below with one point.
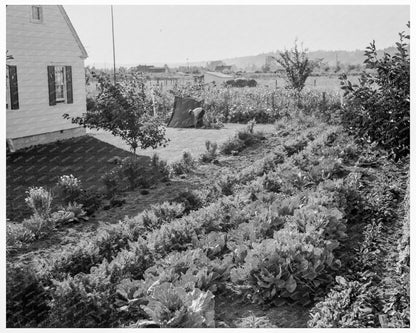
(183, 138)
(85, 157)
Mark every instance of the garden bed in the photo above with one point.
(84, 157)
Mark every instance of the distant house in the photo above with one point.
(226, 69)
(216, 77)
(152, 69)
(45, 75)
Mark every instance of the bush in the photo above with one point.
(17, 235)
(293, 146)
(288, 266)
(26, 297)
(134, 173)
(232, 146)
(185, 165)
(39, 226)
(40, 201)
(90, 200)
(112, 180)
(171, 306)
(70, 188)
(297, 67)
(161, 166)
(211, 152)
(378, 109)
(226, 183)
(348, 305)
(189, 199)
(71, 213)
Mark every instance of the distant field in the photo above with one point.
(330, 83)
(321, 83)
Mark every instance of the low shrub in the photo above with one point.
(90, 200)
(112, 180)
(171, 306)
(40, 201)
(272, 182)
(71, 213)
(17, 235)
(160, 214)
(288, 266)
(70, 188)
(185, 165)
(293, 146)
(348, 305)
(134, 172)
(161, 166)
(26, 297)
(232, 146)
(211, 152)
(226, 183)
(39, 226)
(189, 199)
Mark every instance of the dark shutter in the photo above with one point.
(14, 95)
(51, 85)
(69, 94)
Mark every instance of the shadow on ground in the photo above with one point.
(84, 157)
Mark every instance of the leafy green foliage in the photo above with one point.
(289, 265)
(70, 188)
(296, 65)
(161, 165)
(71, 213)
(378, 108)
(185, 165)
(17, 235)
(125, 110)
(40, 201)
(171, 306)
(348, 305)
(211, 152)
(26, 299)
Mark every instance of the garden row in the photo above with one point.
(75, 204)
(269, 233)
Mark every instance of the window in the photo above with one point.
(7, 88)
(60, 84)
(36, 14)
(12, 94)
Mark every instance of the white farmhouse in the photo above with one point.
(216, 77)
(45, 75)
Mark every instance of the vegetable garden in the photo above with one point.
(319, 220)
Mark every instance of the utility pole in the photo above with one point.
(114, 47)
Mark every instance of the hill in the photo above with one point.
(330, 57)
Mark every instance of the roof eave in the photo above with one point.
(74, 32)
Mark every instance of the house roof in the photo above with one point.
(74, 33)
(221, 75)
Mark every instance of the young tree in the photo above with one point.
(297, 66)
(378, 108)
(125, 110)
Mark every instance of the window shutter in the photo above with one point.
(51, 85)
(14, 95)
(69, 93)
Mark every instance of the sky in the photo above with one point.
(158, 34)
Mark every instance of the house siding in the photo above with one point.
(34, 46)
